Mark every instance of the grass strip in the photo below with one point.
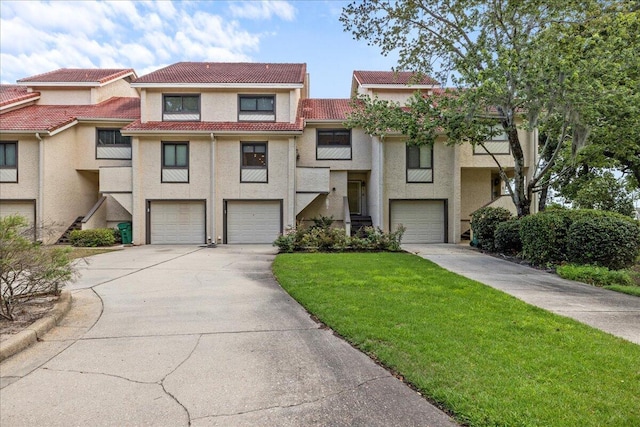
(488, 358)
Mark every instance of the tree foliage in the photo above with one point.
(514, 64)
(26, 268)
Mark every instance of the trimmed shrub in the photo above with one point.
(597, 276)
(606, 241)
(544, 236)
(484, 222)
(507, 237)
(92, 238)
(319, 238)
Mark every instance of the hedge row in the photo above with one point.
(94, 237)
(556, 236)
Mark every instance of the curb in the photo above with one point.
(36, 331)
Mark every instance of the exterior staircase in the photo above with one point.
(358, 222)
(77, 225)
(466, 235)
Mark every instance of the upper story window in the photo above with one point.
(419, 163)
(181, 107)
(110, 144)
(175, 162)
(496, 144)
(8, 162)
(333, 144)
(254, 162)
(259, 108)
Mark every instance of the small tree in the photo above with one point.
(27, 269)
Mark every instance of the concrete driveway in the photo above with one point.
(171, 336)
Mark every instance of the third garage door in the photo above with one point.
(424, 220)
(253, 221)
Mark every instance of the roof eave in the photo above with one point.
(218, 85)
(18, 103)
(397, 86)
(134, 132)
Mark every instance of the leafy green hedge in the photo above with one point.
(93, 238)
(484, 222)
(603, 241)
(320, 238)
(582, 236)
(544, 236)
(507, 237)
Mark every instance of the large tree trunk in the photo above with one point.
(521, 193)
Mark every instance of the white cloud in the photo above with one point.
(263, 10)
(40, 36)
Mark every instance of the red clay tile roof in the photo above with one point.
(324, 109)
(391, 78)
(215, 126)
(225, 72)
(48, 118)
(79, 75)
(10, 94)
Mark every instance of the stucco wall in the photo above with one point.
(68, 193)
(360, 149)
(444, 179)
(475, 190)
(120, 87)
(64, 96)
(228, 176)
(218, 105)
(331, 204)
(27, 185)
(84, 151)
(469, 159)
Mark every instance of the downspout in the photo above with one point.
(213, 238)
(39, 223)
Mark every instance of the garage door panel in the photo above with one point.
(424, 220)
(253, 221)
(24, 209)
(179, 222)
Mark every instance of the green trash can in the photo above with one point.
(125, 232)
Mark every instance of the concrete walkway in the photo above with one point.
(171, 336)
(612, 312)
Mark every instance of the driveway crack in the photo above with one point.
(294, 405)
(168, 393)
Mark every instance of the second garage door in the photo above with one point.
(424, 220)
(253, 221)
(177, 222)
(24, 208)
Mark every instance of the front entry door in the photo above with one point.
(354, 191)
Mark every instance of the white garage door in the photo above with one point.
(253, 221)
(177, 222)
(424, 220)
(25, 209)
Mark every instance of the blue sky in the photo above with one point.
(40, 36)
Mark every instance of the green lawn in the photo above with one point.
(486, 357)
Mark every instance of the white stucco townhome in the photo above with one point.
(206, 152)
